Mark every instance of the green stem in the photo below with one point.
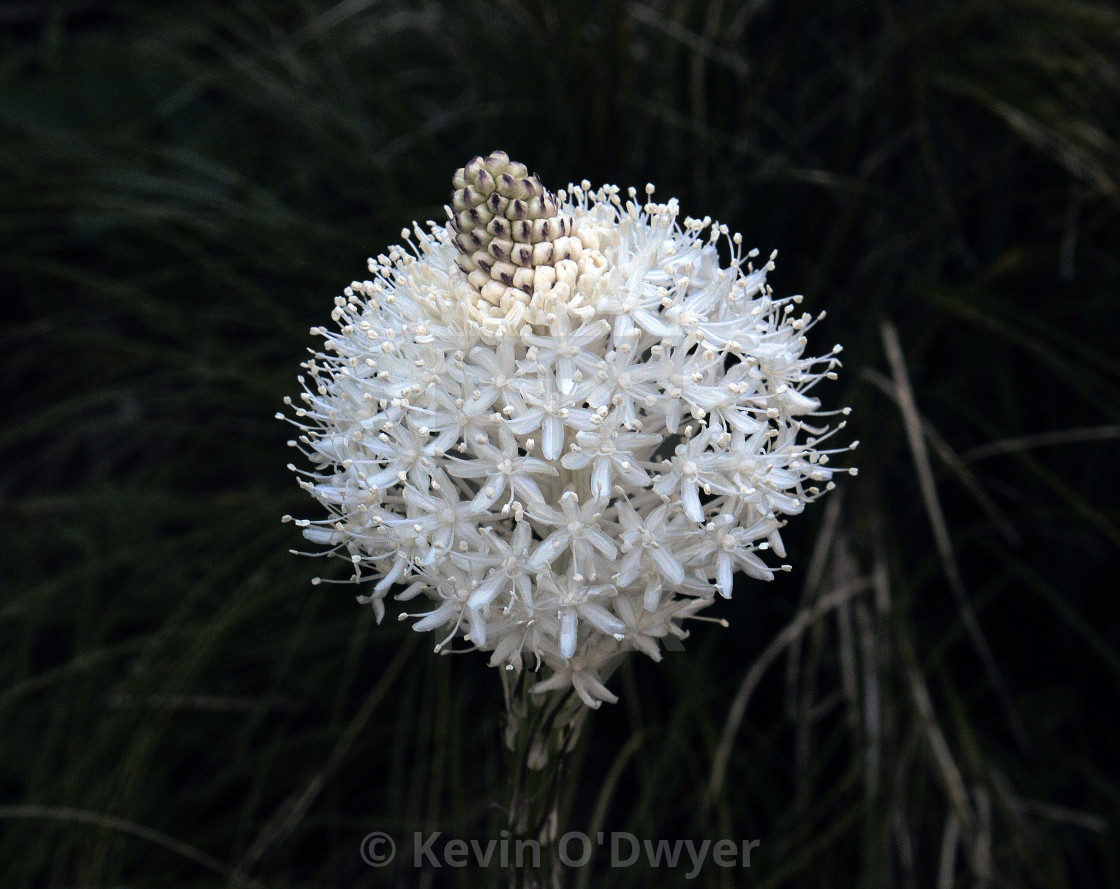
(543, 735)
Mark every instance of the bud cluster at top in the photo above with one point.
(562, 423)
(517, 246)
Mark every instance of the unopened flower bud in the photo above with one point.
(498, 209)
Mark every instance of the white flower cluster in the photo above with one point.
(564, 475)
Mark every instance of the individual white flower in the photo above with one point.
(562, 420)
(577, 533)
(510, 576)
(502, 468)
(609, 452)
(648, 541)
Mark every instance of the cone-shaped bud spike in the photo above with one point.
(509, 229)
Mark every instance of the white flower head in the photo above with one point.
(563, 421)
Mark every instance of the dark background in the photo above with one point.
(184, 188)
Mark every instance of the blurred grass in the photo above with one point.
(184, 190)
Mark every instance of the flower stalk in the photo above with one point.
(541, 735)
(562, 422)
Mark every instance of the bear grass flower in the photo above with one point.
(560, 422)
